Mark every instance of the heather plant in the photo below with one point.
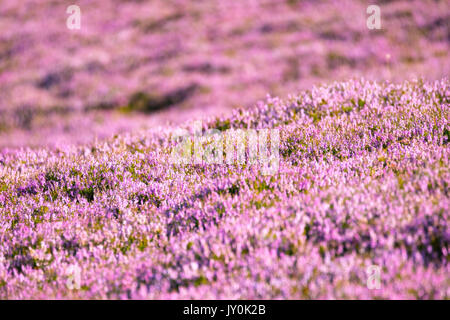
(358, 208)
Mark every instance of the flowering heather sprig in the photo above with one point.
(363, 180)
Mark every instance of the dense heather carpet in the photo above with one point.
(363, 180)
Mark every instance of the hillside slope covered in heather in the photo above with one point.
(363, 180)
(137, 64)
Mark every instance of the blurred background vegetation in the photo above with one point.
(137, 64)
